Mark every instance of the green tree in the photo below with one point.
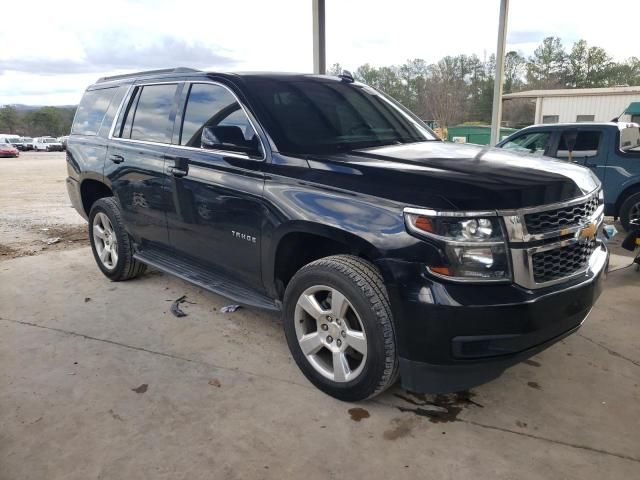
(9, 119)
(514, 68)
(589, 66)
(546, 68)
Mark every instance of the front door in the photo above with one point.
(135, 161)
(216, 185)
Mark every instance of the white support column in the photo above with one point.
(319, 51)
(496, 115)
(538, 116)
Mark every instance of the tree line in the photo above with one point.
(459, 89)
(38, 122)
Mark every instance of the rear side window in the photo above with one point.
(587, 144)
(149, 115)
(112, 110)
(91, 111)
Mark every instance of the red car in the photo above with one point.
(8, 150)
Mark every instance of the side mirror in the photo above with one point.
(230, 138)
(209, 140)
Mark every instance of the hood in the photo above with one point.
(443, 175)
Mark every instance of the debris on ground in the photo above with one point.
(141, 389)
(230, 308)
(175, 307)
(215, 383)
(52, 240)
(87, 299)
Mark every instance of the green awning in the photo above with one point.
(633, 108)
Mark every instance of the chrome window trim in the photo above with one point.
(226, 153)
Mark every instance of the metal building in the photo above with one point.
(581, 104)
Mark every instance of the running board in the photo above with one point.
(212, 281)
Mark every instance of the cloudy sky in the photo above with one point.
(52, 50)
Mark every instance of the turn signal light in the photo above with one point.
(442, 271)
(424, 223)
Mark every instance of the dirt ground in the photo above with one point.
(99, 380)
(35, 212)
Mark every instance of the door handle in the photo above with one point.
(116, 158)
(177, 172)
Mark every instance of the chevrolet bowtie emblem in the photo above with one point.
(589, 231)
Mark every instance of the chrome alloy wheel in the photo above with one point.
(105, 241)
(330, 333)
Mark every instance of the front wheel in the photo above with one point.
(339, 327)
(111, 245)
(630, 210)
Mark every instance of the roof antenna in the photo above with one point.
(346, 76)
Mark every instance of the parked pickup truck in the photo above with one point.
(387, 251)
(610, 150)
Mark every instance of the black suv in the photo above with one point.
(389, 252)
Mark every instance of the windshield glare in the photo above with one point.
(325, 115)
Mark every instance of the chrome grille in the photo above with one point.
(563, 261)
(559, 218)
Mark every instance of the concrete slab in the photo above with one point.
(74, 347)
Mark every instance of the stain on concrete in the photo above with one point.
(215, 383)
(358, 414)
(141, 389)
(439, 408)
(521, 424)
(115, 416)
(402, 427)
(533, 363)
(535, 385)
(87, 299)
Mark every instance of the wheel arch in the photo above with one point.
(92, 190)
(626, 193)
(300, 242)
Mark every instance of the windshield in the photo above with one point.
(13, 139)
(49, 140)
(319, 115)
(630, 139)
(27, 139)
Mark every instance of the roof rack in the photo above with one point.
(148, 73)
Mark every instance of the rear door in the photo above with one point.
(216, 185)
(135, 160)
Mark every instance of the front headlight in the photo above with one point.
(473, 245)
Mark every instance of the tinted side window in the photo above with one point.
(215, 108)
(91, 111)
(111, 111)
(533, 143)
(152, 117)
(587, 143)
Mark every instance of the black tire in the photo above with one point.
(362, 285)
(629, 206)
(126, 266)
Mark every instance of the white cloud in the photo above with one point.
(57, 54)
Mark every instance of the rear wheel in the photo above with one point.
(111, 244)
(339, 328)
(630, 210)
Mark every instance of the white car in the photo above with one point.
(47, 144)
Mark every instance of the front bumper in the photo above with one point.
(454, 336)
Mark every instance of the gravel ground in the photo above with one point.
(35, 208)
